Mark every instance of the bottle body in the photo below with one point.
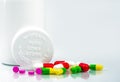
(16, 15)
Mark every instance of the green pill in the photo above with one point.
(78, 68)
(73, 70)
(64, 70)
(92, 66)
(45, 71)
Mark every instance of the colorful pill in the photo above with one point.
(45, 71)
(58, 66)
(78, 68)
(84, 66)
(58, 71)
(52, 71)
(66, 65)
(38, 71)
(31, 72)
(15, 69)
(58, 62)
(75, 69)
(48, 65)
(97, 67)
(22, 71)
(64, 70)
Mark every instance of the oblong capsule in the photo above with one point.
(97, 67)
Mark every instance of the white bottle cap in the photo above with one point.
(31, 45)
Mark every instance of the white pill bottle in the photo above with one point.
(23, 40)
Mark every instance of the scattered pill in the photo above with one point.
(22, 71)
(48, 65)
(84, 66)
(73, 69)
(52, 71)
(58, 71)
(64, 70)
(45, 71)
(38, 71)
(58, 62)
(58, 66)
(66, 65)
(97, 67)
(78, 68)
(31, 72)
(15, 69)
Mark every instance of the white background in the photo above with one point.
(81, 30)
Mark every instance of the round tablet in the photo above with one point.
(22, 71)
(32, 45)
(30, 72)
(15, 69)
(39, 71)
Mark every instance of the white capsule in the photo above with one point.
(58, 66)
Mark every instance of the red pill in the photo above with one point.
(84, 66)
(58, 62)
(48, 65)
(66, 65)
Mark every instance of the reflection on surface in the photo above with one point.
(83, 75)
(95, 72)
(80, 75)
(16, 76)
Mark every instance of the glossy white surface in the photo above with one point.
(111, 74)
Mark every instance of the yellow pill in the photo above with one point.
(99, 67)
(58, 71)
(52, 71)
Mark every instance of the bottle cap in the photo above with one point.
(32, 45)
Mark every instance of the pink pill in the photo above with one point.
(15, 69)
(31, 72)
(38, 71)
(22, 71)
